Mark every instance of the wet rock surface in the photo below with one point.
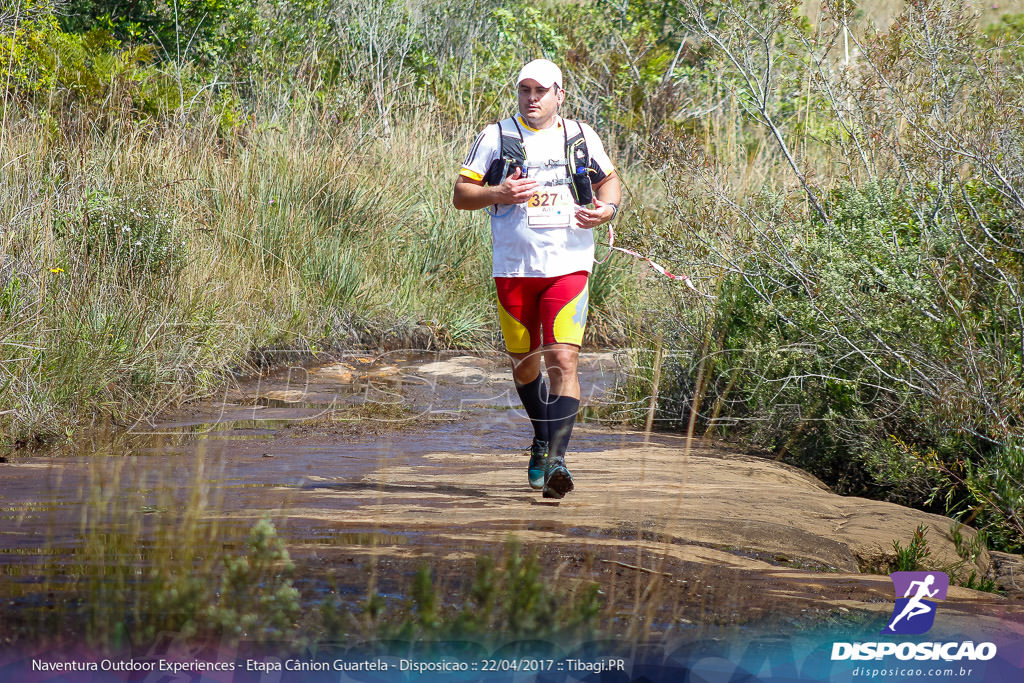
(389, 463)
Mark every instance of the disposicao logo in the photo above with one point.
(914, 613)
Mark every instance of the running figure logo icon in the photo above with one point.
(914, 613)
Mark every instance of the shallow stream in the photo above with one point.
(303, 446)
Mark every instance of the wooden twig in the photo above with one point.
(639, 569)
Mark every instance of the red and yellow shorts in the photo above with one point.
(555, 307)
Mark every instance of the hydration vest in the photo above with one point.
(580, 168)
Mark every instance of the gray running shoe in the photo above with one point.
(557, 478)
(535, 470)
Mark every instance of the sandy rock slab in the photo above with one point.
(732, 533)
(706, 496)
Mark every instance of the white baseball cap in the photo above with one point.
(543, 71)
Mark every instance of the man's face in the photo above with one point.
(537, 104)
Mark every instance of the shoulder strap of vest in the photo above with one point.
(519, 130)
(511, 153)
(511, 141)
(576, 147)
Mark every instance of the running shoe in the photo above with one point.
(557, 478)
(536, 468)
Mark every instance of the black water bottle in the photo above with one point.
(583, 193)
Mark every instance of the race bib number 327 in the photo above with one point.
(550, 207)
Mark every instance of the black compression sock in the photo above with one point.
(561, 417)
(534, 396)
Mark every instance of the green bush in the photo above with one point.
(180, 589)
(256, 600)
(841, 355)
(996, 486)
(92, 71)
(205, 31)
(867, 327)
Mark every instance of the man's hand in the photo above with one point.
(472, 194)
(515, 189)
(591, 218)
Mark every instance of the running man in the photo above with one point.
(535, 173)
(915, 606)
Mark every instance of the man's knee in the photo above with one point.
(562, 359)
(525, 366)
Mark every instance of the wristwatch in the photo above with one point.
(615, 209)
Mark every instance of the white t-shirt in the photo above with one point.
(519, 250)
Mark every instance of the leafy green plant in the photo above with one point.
(256, 599)
(145, 570)
(969, 549)
(10, 296)
(997, 485)
(911, 557)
